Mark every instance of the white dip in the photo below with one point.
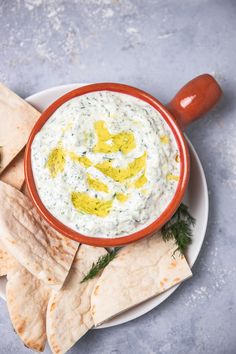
(105, 164)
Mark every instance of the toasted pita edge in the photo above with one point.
(64, 313)
(27, 300)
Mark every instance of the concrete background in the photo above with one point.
(157, 45)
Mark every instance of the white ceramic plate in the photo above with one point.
(196, 198)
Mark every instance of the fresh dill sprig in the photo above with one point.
(102, 262)
(179, 228)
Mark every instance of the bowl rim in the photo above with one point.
(170, 208)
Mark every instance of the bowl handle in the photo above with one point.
(197, 97)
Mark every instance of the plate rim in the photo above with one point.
(142, 308)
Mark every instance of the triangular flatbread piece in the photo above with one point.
(139, 272)
(68, 314)
(17, 118)
(27, 299)
(38, 247)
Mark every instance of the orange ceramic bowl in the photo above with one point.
(194, 99)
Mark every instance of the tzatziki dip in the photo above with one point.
(105, 164)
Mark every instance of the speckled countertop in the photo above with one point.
(157, 45)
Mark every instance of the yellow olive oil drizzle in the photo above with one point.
(89, 205)
(109, 143)
(106, 143)
(56, 161)
(96, 184)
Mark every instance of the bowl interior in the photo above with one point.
(166, 214)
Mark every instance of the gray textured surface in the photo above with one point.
(158, 46)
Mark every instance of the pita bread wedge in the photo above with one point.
(6, 260)
(27, 299)
(39, 248)
(68, 313)
(139, 272)
(14, 172)
(17, 118)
